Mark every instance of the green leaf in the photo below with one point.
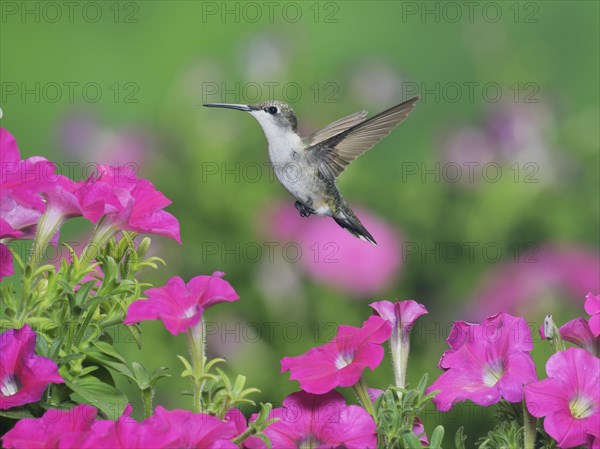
(188, 371)
(83, 292)
(17, 413)
(135, 331)
(459, 439)
(90, 390)
(411, 440)
(107, 362)
(109, 350)
(435, 442)
(141, 375)
(42, 324)
(158, 374)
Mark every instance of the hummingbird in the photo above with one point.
(308, 167)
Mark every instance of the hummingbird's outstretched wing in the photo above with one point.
(335, 128)
(336, 152)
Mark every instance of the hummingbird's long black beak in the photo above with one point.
(239, 107)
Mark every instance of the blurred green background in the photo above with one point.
(511, 84)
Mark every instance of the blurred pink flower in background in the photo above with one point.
(375, 83)
(520, 286)
(84, 137)
(334, 257)
(512, 133)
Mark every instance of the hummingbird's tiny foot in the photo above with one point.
(303, 210)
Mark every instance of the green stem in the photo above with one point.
(243, 436)
(530, 425)
(362, 392)
(196, 347)
(48, 225)
(102, 234)
(147, 394)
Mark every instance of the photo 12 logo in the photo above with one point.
(254, 92)
(69, 12)
(69, 92)
(470, 12)
(270, 11)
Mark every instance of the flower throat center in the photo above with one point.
(10, 385)
(344, 359)
(492, 373)
(310, 442)
(581, 407)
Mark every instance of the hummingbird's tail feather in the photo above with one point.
(347, 220)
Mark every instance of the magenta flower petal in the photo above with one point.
(323, 421)
(6, 265)
(578, 331)
(23, 375)
(21, 183)
(569, 399)
(592, 307)
(164, 429)
(51, 429)
(127, 203)
(401, 314)
(487, 362)
(6, 233)
(194, 430)
(180, 306)
(341, 361)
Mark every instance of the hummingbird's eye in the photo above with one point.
(271, 110)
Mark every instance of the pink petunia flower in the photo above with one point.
(180, 306)
(592, 307)
(321, 421)
(53, 428)
(21, 182)
(330, 255)
(23, 375)
(129, 203)
(164, 429)
(569, 399)
(340, 362)
(61, 204)
(6, 233)
(486, 363)
(578, 331)
(401, 315)
(194, 430)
